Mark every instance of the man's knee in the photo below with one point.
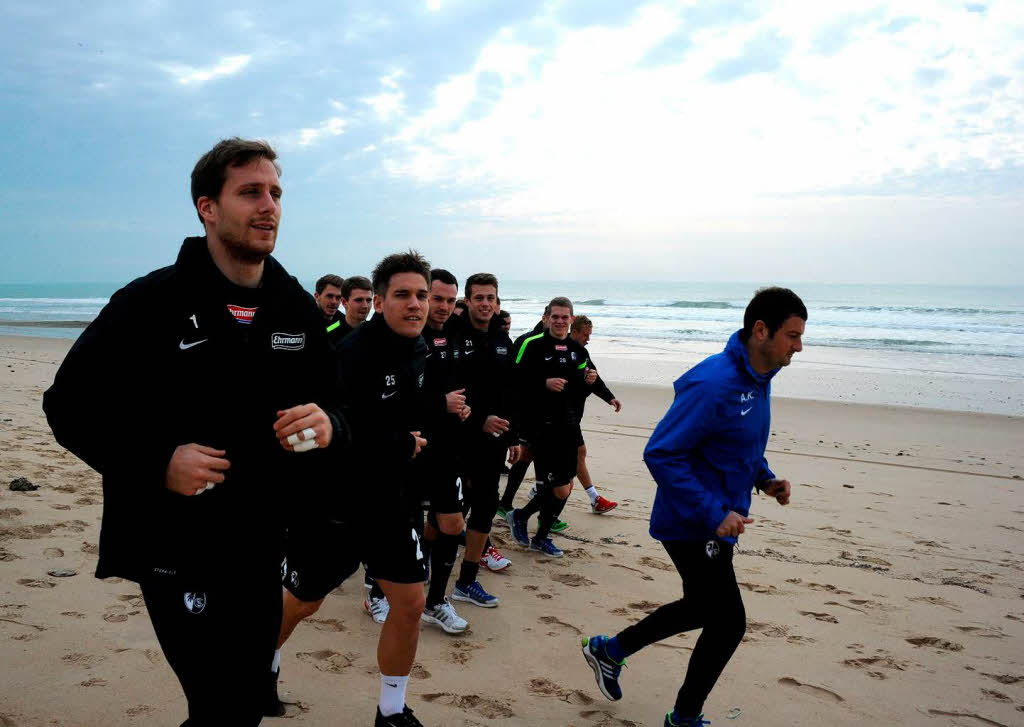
(562, 491)
(306, 609)
(406, 601)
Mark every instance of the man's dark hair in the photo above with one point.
(580, 322)
(559, 302)
(356, 282)
(480, 279)
(443, 276)
(773, 306)
(460, 304)
(210, 171)
(504, 314)
(400, 262)
(547, 309)
(330, 279)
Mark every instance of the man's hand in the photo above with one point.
(420, 444)
(555, 384)
(464, 414)
(590, 376)
(616, 404)
(451, 523)
(495, 425)
(193, 467)
(455, 400)
(514, 453)
(299, 418)
(734, 524)
(779, 489)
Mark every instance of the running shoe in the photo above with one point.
(559, 526)
(273, 706)
(443, 615)
(697, 721)
(404, 718)
(493, 560)
(602, 505)
(517, 528)
(502, 511)
(545, 546)
(533, 492)
(474, 593)
(606, 671)
(377, 608)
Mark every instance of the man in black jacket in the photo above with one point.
(484, 371)
(230, 357)
(383, 372)
(549, 368)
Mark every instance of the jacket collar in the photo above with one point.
(736, 349)
(194, 258)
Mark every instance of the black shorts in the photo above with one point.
(579, 436)
(320, 554)
(554, 454)
(391, 550)
(219, 637)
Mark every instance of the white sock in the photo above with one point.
(592, 494)
(276, 664)
(392, 694)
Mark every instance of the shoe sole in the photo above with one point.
(497, 570)
(560, 530)
(372, 617)
(428, 619)
(467, 599)
(548, 555)
(603, 512)
(595, 666)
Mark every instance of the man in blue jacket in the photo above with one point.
(706, 455)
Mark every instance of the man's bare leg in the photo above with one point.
(396, 648)
(294, 611)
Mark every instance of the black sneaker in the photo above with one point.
(404, 718)
(273, 706)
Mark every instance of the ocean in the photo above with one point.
(982, 327)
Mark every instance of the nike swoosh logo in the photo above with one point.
(744, 412)
(548, 358)
(185, 346)
(388, 396)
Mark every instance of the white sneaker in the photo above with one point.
(533, 492)
(443, 615)
(493, 560)
(378, 608)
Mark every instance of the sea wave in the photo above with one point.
(717, 304)
(919, 309)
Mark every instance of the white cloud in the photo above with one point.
(590, 130)
(226, 66)
(433, 5)
(390, 103)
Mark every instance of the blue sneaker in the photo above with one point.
(606, 671)
(474, 593)
(517, 528)
(697, 721)
(546, 547)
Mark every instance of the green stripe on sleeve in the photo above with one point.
(333, 326)
(519, 356)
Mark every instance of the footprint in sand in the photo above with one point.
(36, 583)
(1005, 678)
(987, 632)
(572, 579)
(828, 587)
(600, 718)
(935, 601)
(6, 556)
(487, 708)
(326, 624)
(997, 696)
(86, 661)
(760, 588)
(820, 692)
(843, 605)
(53, 553)
(552, 621)
(90, 548)
(94, 682)
(972, 715)
(461, 651)
(645, 606)
(115, 614)
(548, 688)
(643, 575)
(825, 617)
(655, 563)
(139, 711)
(328, 660)
(933, 641)
(873, 664)
(418, 672)
(768, 629)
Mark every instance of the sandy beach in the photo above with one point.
(890, 591)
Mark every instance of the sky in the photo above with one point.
(580, 139)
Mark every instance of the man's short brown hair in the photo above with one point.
(356, 282)
(400, 262)
(330, 279)
(481, 279)
(560, 302)
(210, 172)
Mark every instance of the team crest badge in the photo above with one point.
(195, 601)
(711, 548)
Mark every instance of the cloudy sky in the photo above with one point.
(800, 141)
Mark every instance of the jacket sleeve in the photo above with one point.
(326, 387)
(93, 405)
(599, 388)
(764, 474)
(671, 450)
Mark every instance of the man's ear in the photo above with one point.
(378, 303)
(207, 208)
(760, 331)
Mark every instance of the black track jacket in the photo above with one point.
(166, 363)
(541, 357)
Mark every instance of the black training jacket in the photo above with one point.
(541, 357)
(442, 459)
(166, 363)
(485, 371)
(382, 383)
(598, 388)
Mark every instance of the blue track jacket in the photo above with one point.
(707, 452)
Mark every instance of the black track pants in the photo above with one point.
(711, 601)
